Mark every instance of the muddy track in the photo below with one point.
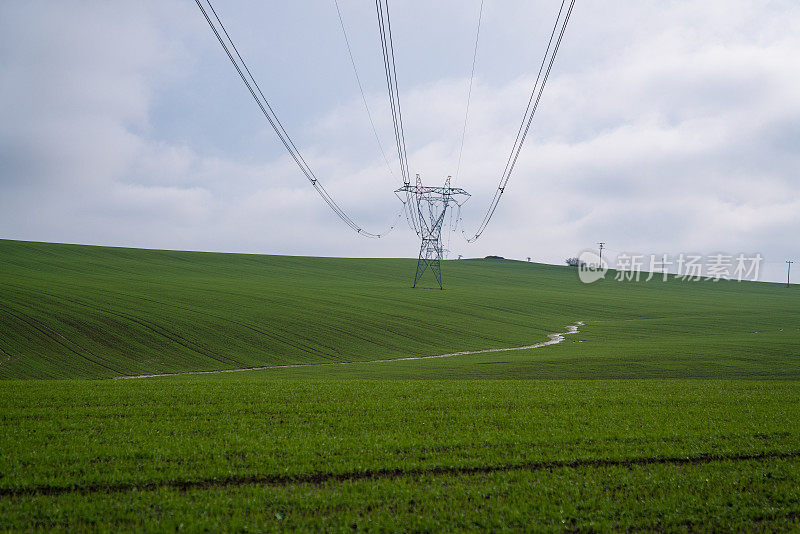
(397, 472)
(553, 339)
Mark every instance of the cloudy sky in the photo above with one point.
(666, 127)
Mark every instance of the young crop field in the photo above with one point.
(676, 406)
(69, 311)
(253, 454)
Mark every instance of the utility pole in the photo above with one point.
(602, 244)
(788, 270)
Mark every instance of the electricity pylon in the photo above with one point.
(427, 207)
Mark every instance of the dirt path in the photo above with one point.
(554, 338)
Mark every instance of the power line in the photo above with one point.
(361, 87)
(272, 118)
(451, 227)
(390, 70)
(530, 111)
(387, 49)
(469, 92)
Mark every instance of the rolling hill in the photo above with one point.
(74, 311)
(324, 447)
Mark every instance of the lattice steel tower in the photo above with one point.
(427, 208)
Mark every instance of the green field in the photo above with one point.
(70, 311)
(676, 407)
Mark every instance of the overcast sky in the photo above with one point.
(666, 127)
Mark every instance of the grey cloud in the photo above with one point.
(665, 128)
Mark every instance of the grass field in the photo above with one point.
(252, 454)
(677, 406)
(69, 311)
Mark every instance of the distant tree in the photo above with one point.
(494, 258)
(575, 262)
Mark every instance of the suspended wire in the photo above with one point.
(361, 87)
(394, 104)
(273, 120)
(530, 111)
(451, 227)
(390, 70)
(396, 90)
(469, 92)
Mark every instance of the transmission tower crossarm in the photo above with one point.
(423, 190)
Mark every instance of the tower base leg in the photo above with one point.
(430, 255)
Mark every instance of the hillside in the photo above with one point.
(71, 311)
(283, 449)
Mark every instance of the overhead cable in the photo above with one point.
(390, 70)
(272, 118)
(469, 92)
(530, 111)
(361, 87)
